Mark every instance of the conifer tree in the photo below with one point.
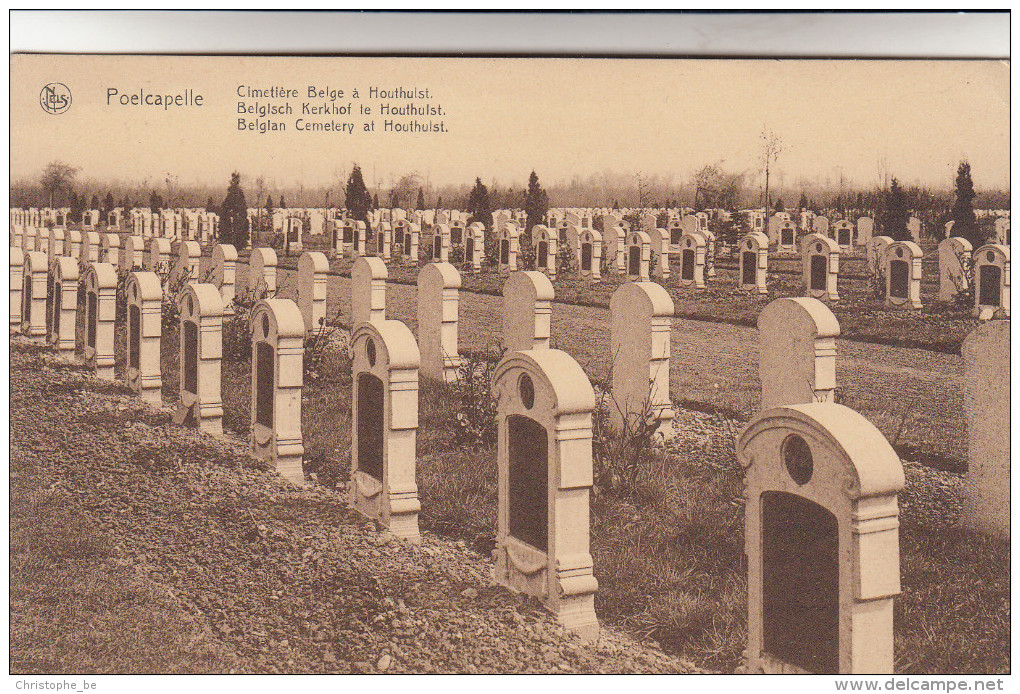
(536, 203)
(421, 200)
(479, 205)
(963, 209)
(234, 215)
(896, 214)
(358, 201)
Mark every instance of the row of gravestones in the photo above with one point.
(821, 482)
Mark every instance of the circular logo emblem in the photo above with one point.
(55, 98)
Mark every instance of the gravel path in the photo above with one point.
(282, 580)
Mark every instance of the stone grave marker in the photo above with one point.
(509, 247)
(294, 232)
(368, 290)
(144, 331)
(986, 370)
(17, 277)
(72, 243)
(821, 540)
(843, 231)
(63, 303)
(692, 260)
(158, 259)
(277, 376)
(440, 243)
(876, 251)
(546, 244)
(641, 315)
(527, 311)
(820, 256)
(384, 239)
(822, 225)
(991, 281)
(865, 230)
(100, 313)
(1002, 237)
(658, 248)
(132, 256)
(544, 462)
(474, 247)
(639, 251)
(914, 227)
(410, 244)
(186, 267)
(754, 262)
(902, 262)
(223, 274)
(201, 350)
(29, 239)
(797, 352)
(110, 249)
(384, 418)
(313, 269)
(786, 237)
(33, 295)
(955, 260)
(262, 272)
(591, 254)
(614, 236)
(57, 246)
(438, 296)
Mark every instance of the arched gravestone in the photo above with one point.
(456, 234)
(591, 254)
(638, 256)
(277, 376)
(641, 315)
(797, 352)
(991, 280)
(509, 247)
(614, 236)
(359, 233)
(527, 311)
(201, 350)
(986, 371)
(410, 244)
(33, 295)
(294, 231)
(186, 265)
(676, 230)
(820, 256)
(544, 463)
(385, 426)
(903, 275)
(29, 239)
(546, 244)
(144, 331)
(709, 251)
(1002, 236)
(17, 262)
(89, 247)
(57, 245)
(843, 232)
(18, 237)
(441, 243)
(474, 247)
(865, 230)
(63, 303)
(438, 290)
(786, 236)
(821, 540)
(692, 260)
(262, 265)
(955, 262)
(223, 274)
(384, 239)
(110, 249)
(368, 290)
(821, 225)
(133, 256)
(659, 248)
(876, 251)
(754, 262)
(158, 258)
(72, 243)
(100, 313)
(313, 268)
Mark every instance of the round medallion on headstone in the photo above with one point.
(191, 306)
(991, 256)
(797, 457)
(899, 252)
(818, 247)
(527, 390)
(265, 325)
(370, 351)
(748, 245)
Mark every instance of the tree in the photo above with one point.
(779, 205)
(439, 203)
(536, 203)
(77, 207)
(209, 206)
(965, 223)
(156, 202)
(283, 203)
(394, 199)
(771, 147)
(803, 204)
(375, 202)
(358, 201)
(895, 214)
(420, 205)
(234, 215)
(58, 178)
(479, 205)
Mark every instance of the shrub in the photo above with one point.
(236, 331)
(474, 420)
(565, 259)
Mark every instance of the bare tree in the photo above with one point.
(58, 177)
(771, 147)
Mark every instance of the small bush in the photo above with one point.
(474, 420)
(236, 328)
(565, 259)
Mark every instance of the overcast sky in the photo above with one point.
(505, 117)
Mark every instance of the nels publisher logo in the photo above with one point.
(55, 98)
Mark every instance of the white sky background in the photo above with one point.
(562, 117)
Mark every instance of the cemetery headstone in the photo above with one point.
(201, 350)
(955, 261)
(144, 293)
(63, 303)
(544, 462)
(797, 352)
(638, 256)
(262, 272)
(100, 313)
(384, 417)
(692, 260)
(527, 311)
(991, 281)
(223, 274)
(17, 277)
(754, 262)
(546, 244)
(903, 275)
(277, 376)
(312, 283)
(438, 296)
(33, 294)
(590, 259)
(820, 256)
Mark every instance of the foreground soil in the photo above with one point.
(139, 546)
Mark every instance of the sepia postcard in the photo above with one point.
(432, 364)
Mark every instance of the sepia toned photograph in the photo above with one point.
(504, 364)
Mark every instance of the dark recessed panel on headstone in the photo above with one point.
(819, 272)
(265, 384)
(370, 425)
(634, 261)
(586, 257)
(504, 252)
(529, 475)
(543, 254)
(747, 274)
(134, 336)
(92, 316)
(898, 279)
(687, 265)
(190, 360)
(990, 284)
